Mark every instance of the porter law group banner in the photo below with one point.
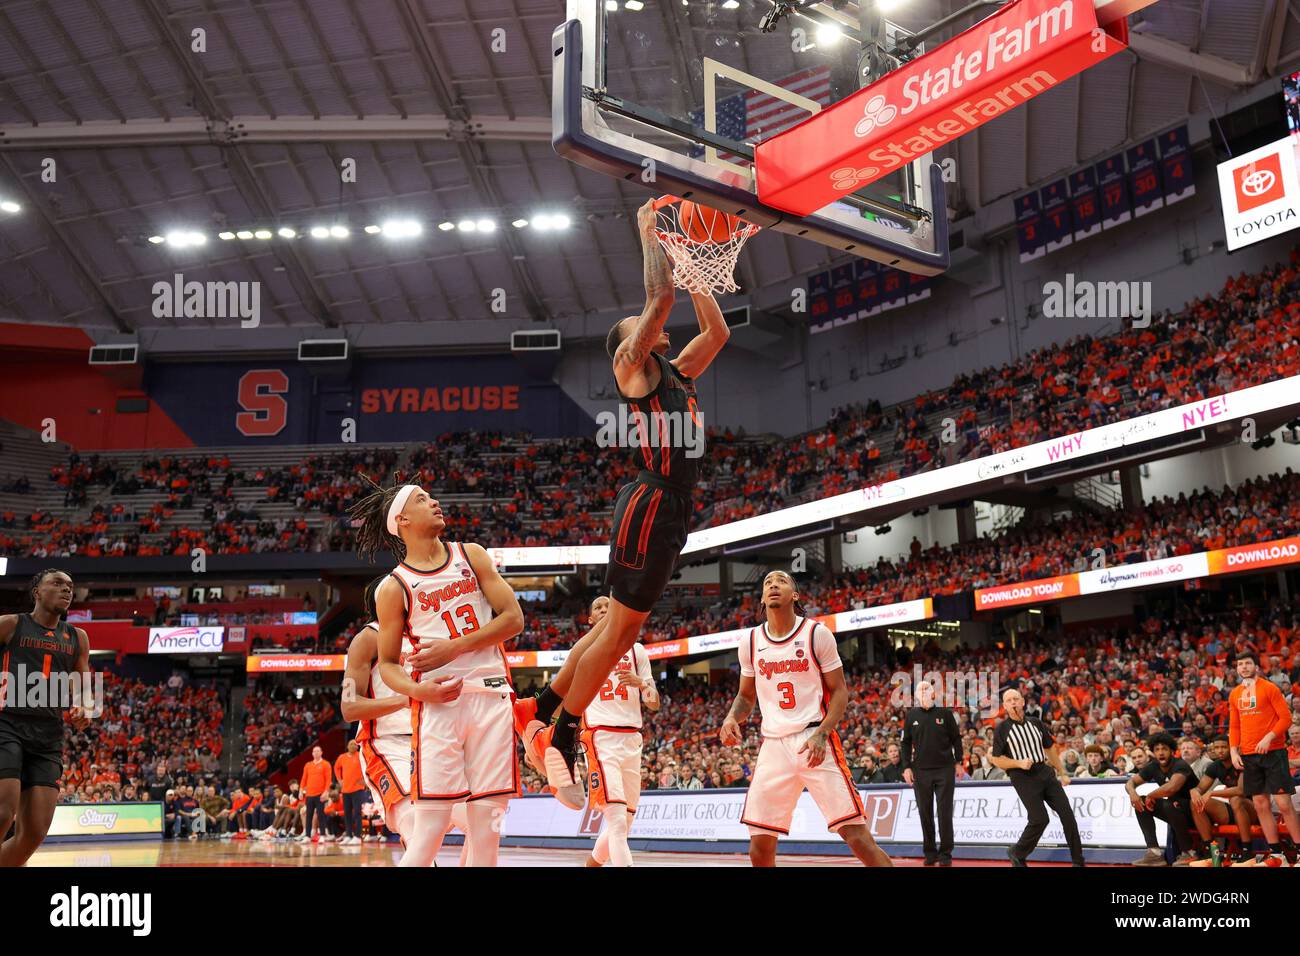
(984, 814)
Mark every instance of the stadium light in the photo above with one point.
(521, 223)
(287, 232)
(401, 229)
(611, 6)
(156, 239)
(828, 34)
(181, 239)
(467, 225)
(10, 206)
(730, 5)
(262, 234)
(224, 236)
(339, 232)
(244, 234)
(636, 6)
(446, 226)
(486, 225)
(371, 230)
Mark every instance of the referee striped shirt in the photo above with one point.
(1022, 739)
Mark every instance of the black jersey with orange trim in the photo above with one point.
(667, 428)
(34, 649)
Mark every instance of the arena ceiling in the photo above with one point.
(148, 138)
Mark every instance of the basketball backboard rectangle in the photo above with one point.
(675, 96)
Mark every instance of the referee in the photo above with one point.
(1024, 748)
(931, 751)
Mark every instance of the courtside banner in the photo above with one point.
(1281, 393)
(1248, 557)
(104, 821)
(186, 640)
(984, 814)
(292, 663)
(1022, 50)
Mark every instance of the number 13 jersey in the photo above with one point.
(787, 674)
(447, 604)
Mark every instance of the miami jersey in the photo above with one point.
(446, 604)
(787, 674)
(397, 723)
(615, 704)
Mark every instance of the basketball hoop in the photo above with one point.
(704, 248)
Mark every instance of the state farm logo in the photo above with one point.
(1259, 183)
(847, 177)
(876, 114)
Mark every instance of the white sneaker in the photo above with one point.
(303, 839)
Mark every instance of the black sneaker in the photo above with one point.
(931, 861)
(1015, 860)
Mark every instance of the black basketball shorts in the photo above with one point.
(1266, 773)
(31, 751)
(649, 532)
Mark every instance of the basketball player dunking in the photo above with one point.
(38, 646)
(651, 513)
(448, 600)
(791, 665)
(611, 733)
(384, 727)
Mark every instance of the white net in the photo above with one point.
(702, 265)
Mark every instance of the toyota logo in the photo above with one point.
(1256, 182)
(875, 114)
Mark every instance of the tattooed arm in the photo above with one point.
(741, 708)
(632, 355)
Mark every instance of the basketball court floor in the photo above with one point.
(257, 853)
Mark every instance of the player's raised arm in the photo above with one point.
(634, 350)
(704, 348)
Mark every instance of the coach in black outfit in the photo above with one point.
(930, 754)
(1024, 748)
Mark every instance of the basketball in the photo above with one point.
(705, 224)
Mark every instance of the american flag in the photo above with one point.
(755, 116)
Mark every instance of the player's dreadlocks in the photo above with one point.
(370, 519)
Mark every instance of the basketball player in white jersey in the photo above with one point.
(384, 728)
(611, 736)
(453, 607)
(792, 667)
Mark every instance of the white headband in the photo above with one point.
(398, 504)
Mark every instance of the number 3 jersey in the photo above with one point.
(787, 674)
(446, 604)
(618, 706)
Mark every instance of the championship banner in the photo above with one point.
(294, 663)
(984, 814)
(107, 821)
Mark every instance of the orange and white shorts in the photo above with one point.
(386, 766)
(613, 767)
(781, 775)
(465, 749)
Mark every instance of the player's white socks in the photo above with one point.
(483, 837)
(611, 845)
(426, 826)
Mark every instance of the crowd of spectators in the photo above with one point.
(1101, 690)
(560, 492)
(279, 725)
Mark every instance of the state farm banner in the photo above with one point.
(294, 663)
(984, 814)
(1022, 50)
(186, 640)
